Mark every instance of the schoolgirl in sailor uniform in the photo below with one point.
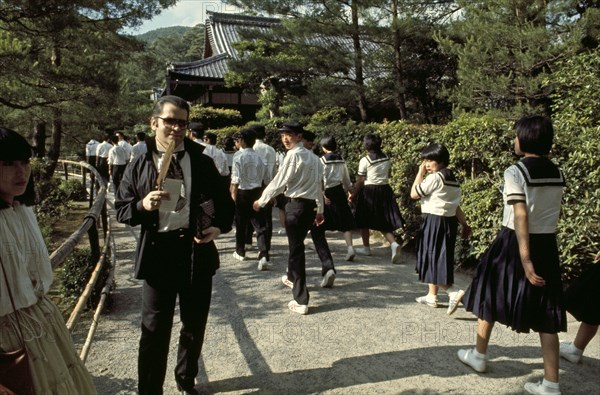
(518, 280)
(440, 196)
(338, 215)
(376, 206)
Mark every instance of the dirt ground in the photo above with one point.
(366, 335)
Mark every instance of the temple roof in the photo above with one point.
(221, 32)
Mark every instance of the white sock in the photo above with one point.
(550, 384)
(477, 354)
(575, 349)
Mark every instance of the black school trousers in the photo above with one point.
(299, 219)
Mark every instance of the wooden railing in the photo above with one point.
(96, 215)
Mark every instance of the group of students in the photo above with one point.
(111, 156)
(517, 282)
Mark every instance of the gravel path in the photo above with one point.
(366, 335)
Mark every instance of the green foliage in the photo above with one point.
(403, 142)
(73, 190)
(153, 35)
(576, 123)
(506, 74)
(75, 273)
(215, 118)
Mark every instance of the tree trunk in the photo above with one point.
(358, 64)
(54, 152)
(39, 139)
(398, 70)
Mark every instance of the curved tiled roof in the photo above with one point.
(213, 67)
(223, 30)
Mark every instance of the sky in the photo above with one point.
(184, 13)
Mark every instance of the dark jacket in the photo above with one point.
(140, 178)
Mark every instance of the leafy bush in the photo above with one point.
(75, 273)
(215, 118)
(73, 190)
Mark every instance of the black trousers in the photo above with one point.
(159, 296)
(102, 167)
(117, 172)
(299, 219)
(245, 215)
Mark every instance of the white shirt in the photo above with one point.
(249, 170)
(375, 171)
(539, 183)
(117, 155)
(440, 194)
(300, 176)
(103, 148)
(173, 220)
(269, 156)
(138, 150)
(218, 157)
(127, 147)
(25, 258)
(335, 172)
(90, 148)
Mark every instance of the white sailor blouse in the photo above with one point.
(375, 169)
(335, 171)
(440, 193)
(539, 183)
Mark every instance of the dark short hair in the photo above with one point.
(174, 100)
(13, 147)
(372, 142)
(211, 137)
(198, 129)
(291, 127)
(308, 135)
(535, 134)
(259, 130)
(141, 136)
(228, 143)
(248, 136)
(436, 152)
(329, 143)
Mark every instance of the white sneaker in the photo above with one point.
(351, 254)
(287, 282)
(540, 389)
(363, 251)
(454, 301)
(468, 358)
(263, 264)
(427, 301)
(238, 256)
(569, 352)
(298, 308)
(395, 247)
(328, 279)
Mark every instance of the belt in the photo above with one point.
(174, 234)
(302, 200)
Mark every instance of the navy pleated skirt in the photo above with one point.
(500, 292)
(435, 249)
(581, 298)
(338, 215)
(376, 209)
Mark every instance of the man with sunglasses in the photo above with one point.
(173, 259)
